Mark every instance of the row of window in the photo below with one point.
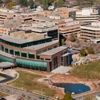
(90, 30)
(26, 44)
(18, 53)
(46, 50)
(89, 33)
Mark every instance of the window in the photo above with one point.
(47, 59)
(50, 48)
(55, 61)
(38, 57)
(31, 55)
(45, 50)
(17, 53)
(24, 54)
(42, 58)
(55, 46)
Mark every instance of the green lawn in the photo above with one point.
(89, 71)
(26, 81)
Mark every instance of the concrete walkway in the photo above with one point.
(61, 70)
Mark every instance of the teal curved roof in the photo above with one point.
(3, 58)
(31, 63)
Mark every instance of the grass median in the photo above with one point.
(27, 81)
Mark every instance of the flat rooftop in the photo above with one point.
(54, 51)
(39, 46)
(44, 29)
(90, 27)
(14, 39)
(42, 18)
(6, 64)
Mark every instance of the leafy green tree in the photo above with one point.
(46, 3)
(92, 2)
(83, 52)
(31, 4)
(68, 96)
(72, 38)
(23, 2)
(10, 4)
(1, 1)
(63, 42)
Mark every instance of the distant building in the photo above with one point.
(91, 31)
(40, 53)
(4, 31)
(87, 14)
(56, 56)
(42, 26)
(26, 50)
(70, 27)
(29, 39)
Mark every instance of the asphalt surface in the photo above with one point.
(6, 78)
(22, 93)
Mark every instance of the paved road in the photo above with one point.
(6, 78)
(84, 95)
(25, 94)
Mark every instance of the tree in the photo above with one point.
(63, 42)
(92, 2)
(1, 1)
(23, 2)
(83, 52)
(90, 50)
(72, 38)
(31, 4)
(59, 3)
(68, 96)
(10, 4)
(46, 3)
